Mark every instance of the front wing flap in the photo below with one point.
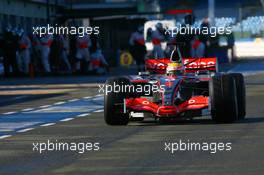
(145, 105)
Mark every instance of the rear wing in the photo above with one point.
(157, 66)
(192, 65)
(200, 64)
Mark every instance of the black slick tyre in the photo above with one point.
(114, 110)
(223, 99)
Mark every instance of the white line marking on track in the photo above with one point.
(59, 103)
(6, 130)
(87, 97)
(27, 109)
(7, 113)
(5, 136)
(72, 100)
(66, 119)
(45, 106)
(83, 115)
(99, 110)
(48, 124)
(25, 130)
(98, 95)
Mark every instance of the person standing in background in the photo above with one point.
(198, 48)
(205, 38)
(82, 53)
(98, 63)
(185, 38)
(230, 46)
(138, 48)
(24, 51)
(10, 47)
(55, 53)
(64, 51)
(72, 51)
(157, 37)
(45, 42)
(35, 56)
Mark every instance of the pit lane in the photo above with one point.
(134, 149)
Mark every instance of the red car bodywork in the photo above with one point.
(158, 66)
(143, 104)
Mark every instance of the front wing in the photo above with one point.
(145, 105)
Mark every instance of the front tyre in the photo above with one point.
(114, 107)
(223, 97)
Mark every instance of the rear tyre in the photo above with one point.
(241, 94)
(114, 102)
(223, 93)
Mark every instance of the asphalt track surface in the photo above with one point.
(73, 113)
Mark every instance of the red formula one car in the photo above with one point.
(168, 89)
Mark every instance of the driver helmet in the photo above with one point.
(174, 68)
